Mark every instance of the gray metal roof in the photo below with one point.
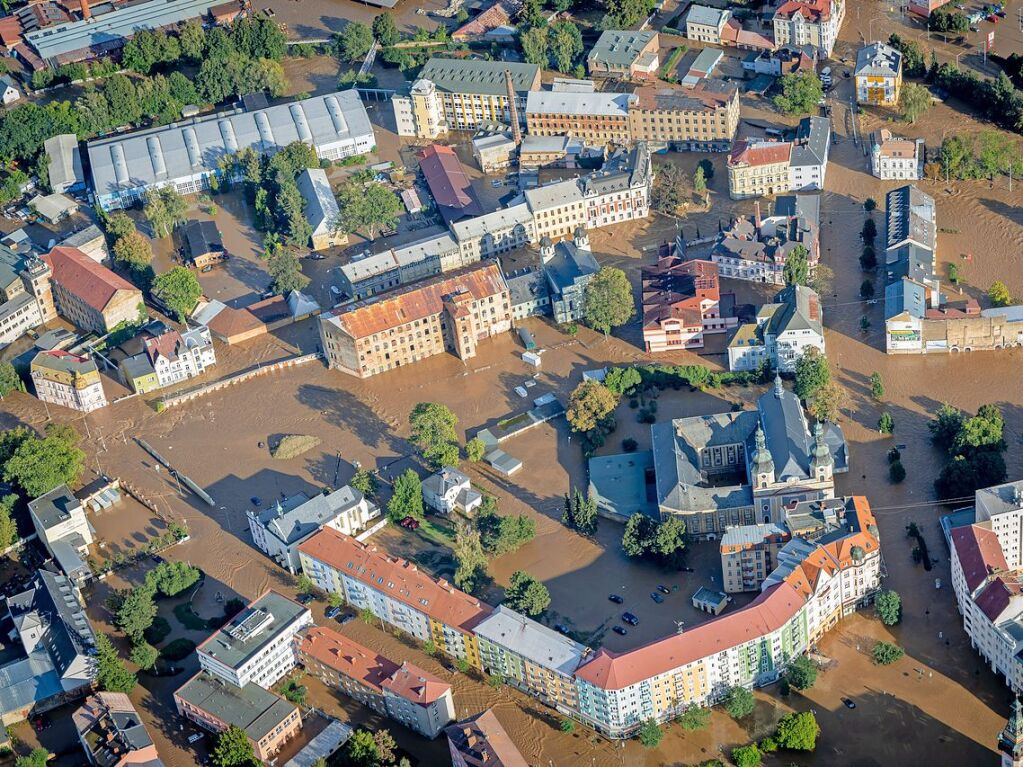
(477, 76)
(554, 195)
(321, 208)
(526, 285)
(910, 216)
(109, 30)
(65, 161)
(813, 139)
(800, 310)
(878, 60)
(252, 629)
(300, 516)
(531, 640)
(571, 103)
(498, 220)
(570, 266)
(251, 708)
(747, 535)
(55, 506)
(185, 149)
(27, 680)
(619, 48)
(701, 14)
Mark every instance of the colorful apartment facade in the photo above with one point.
(62, 378)
(682, 304)
(878, 75)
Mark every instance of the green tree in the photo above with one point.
(670, 189)
(914, 101)
(886, 653)
(354, 41)
(192, 39)
(608, 300)
(797, 268)
(670, 538)
(407, 497)
(144, 655)
(638, 535)
(119, 224)
(700, 181)
(867, 289)
(827, 402)
(37, 466)
(471, 559)
(534, 43)
(876, 386)
(747, 756)
(801, 673)
(888, 605)
(650, 733)
(886, 424)
(589, 404)
(998, 294)
(9, 379)
(567, 726)
(870, 205)
(624, 14)
(998, 151)
(361, 750)
(385, 30)
(136, 612)
(286, 272)
(179, 291)
(946, 425)
(475, 449)
(165, 209)
(171, 578)
(334, 599)
(896, 472)
(869, 231)
(695, 718)
(366, 482)
(800, 93)
(385, 746)
(8, 527)
(366, 208)
(622, 380)
(913, 63)
(739, 703)
(500, 535)
(956, 157)
(531, 15)
(294, 692)
(133, 251)
(111, 673)
(580, 512)
(526, 594)
(566, 44)
(868, 258)
(812, 372)
(39, 757)
(233, 749)
(433, 433)
(798, 731)
(305, 584)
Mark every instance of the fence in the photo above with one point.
(223, 383)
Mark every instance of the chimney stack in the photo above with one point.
(756, 215)
(513, 108)
(86, 11)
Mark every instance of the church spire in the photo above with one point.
(1010, 742)
(779, 390)
(763, 463)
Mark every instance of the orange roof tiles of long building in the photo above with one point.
(397, 578)
(760, 152)
(92, 282)
(347, 656)
(418, 301)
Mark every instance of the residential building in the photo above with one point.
(783, 331)
(494, 233)
(569, 268)
(60, 522)
(757, 168)
(50, 659)
(494, 151)
(88, 294)
(112, 734)
(91, 241)
(894, 158)
(26, 297)
(594, 117)
(449, 490)
(463, 94)
(321, 209)
(734, 35)
(205, 245)
(452, 192)
(878, 75)
(741, 468)
(64, 163)
(748, 555)
(396, 591)
(267, 720)
(450, 313)
(9, 92)
(681, 303)
(495, 23)
(527, 291)
(69, 380)
(403, 692)
(701, 118)
(787, 60)
(169, 358)
(256, 646)
(187, 154)
(550, 151)
(911, 283)
(809, 160)
(624, 53)
(279, 529)
(705, 24)
(481, 741)
(620, 190)
(757, 248)
(809, 22)
(371, 274)
(558, 209)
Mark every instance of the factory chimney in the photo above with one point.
(86, 11)
(513, 108)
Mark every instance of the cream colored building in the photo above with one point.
(702, 118)
(557, 209)
(756, 168)
(809, 22)
(90, 295)
(66, 379)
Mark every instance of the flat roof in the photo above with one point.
(250, 708)
(252, 629)
(569, 102)
(531, 640)
(619, 47)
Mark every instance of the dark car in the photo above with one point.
(561, 628)
(615, 598)
(343, 619)
(849, 703)
(304, 599)
(663, 589)
(410, 522)
(332, 612)
(631, 619)
(620, 630)
(656, 597)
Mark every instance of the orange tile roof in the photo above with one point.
(424, 299)
(812, 10)
(397, 578)
(346, 656)
(760, 152)
(228, 323)
(481, 741)
(497, 15)
(93, 283)
(414, 684)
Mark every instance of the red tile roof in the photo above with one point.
(347, 657)
(93, 283)
(481, 741)
(163, 345)
(397, 578)
(447, 180)
(497, 15)
(10, 31)
(979, 554)
(413, 684)
(674, 289)
(812, 10)
(760, 152)
(996, 596)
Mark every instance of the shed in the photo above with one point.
(502, 462)
(710, 601)
(64, 163)
(53, 208)
(205, 246)
(527, 339)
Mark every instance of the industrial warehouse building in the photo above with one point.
(185, 155)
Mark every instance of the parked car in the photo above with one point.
(656, 597)
(343, 619)
(333, 612)
(663, 589)
(620, 630)
(561, 628)
(410, 522)
(849, 703)
(304, 599)
(631, 619)
(616, 599)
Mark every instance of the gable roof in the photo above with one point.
(93, 283)
(979, 554)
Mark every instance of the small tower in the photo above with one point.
(581, 238)
(763, 463)
(779, 389)
(1010, 742)
(822, 463)
(546, 249)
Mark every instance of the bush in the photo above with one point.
(747, 756)
(178, 649)
(629, 445)
(886, 653)
(739, 703)
(293, 446)
(896, 472)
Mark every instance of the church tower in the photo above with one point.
(581, 238)
(763, 463)
(546, 249)
(1010, 742)
(822, 463)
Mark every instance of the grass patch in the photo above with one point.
(159, 631)
(293, 446)
(178, 649)
(668, 70)
(508, 423)
(437, 534)
(187, 617)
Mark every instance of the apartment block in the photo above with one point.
(705, 24)
(682, 303)
(703, 118)
(396, 592)
(594, 117)
(758, 168)
(26, 297)
(112, 734)
(809, 22)
(481, 741)
(257, 646)
(66, 379)
(558, 209)
(452, 313)
(60, 522)
(749, 554)
(783, 331)
(88, 294)
(620, 191)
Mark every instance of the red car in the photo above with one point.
(410, 522)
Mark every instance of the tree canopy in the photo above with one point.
(609, 302)
(111, 673)
(801, 673)
(526, 594)
(800, 93)
(233, 749)
(433, 433)
(471, 559)
(37, 465)
(914, 100)
(406, 498)
(798, 731)
(797, 266)
(366, 208)
(354, 41)
(812, 372)
(589, 404)
(739, 703)
(179, 290)
(888, 605)
(502, 534)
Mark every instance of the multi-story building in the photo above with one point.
(809, 22)
(494, 233)
(60, 522)
(624, 53)
(451, 313)
(448, 491)
(568, 267)
(403, 692)
(749, 553)
(878, 75)
(257, 645)
(706, 25)
(90, 295)
(481, 741)
(620, 191)
(449, 185)
(279, 529)
(395, 591)
(1010, 741)
(558, 209)
(321, 209)
(783, 331)
(187, 154)
(595, 117)
(758, 168)
(682, 303)
(809, 160)
(26, 297)
(175, 357)
(267, 720)
(70, 380)
(112, 734)
(371, 274)
(757, 248)
(892, 157)
(702, 118)
(911, 283)
(463, 94)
